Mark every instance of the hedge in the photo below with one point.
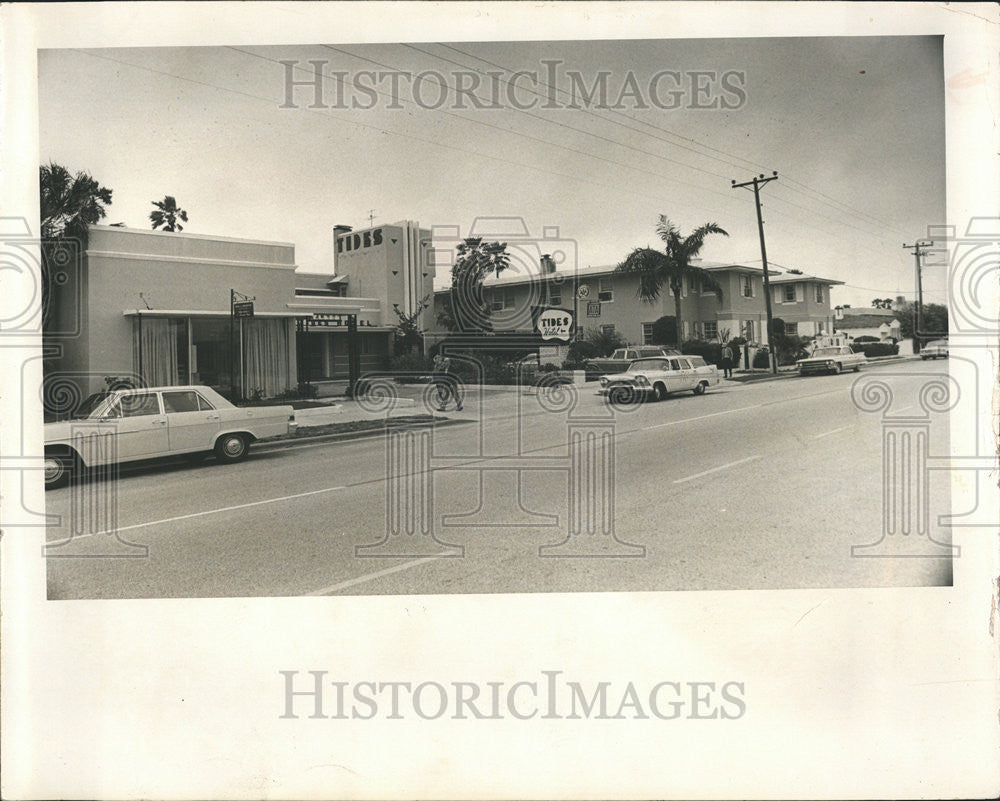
(871, 349)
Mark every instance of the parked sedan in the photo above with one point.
(660, 376)
(137, 424)
(938, 349)
(834, 359)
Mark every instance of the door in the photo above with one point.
(192, 422)
(674, 378)
(688, 378)
(141, 424)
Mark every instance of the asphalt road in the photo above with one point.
(751, 486)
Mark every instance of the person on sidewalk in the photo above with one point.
(446, 383)
(727, 361)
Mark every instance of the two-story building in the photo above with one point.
(601, 298)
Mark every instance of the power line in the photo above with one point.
(659, 129)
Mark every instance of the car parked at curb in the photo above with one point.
(660, 376)
(622, 357)
(938, 349)
(831, 359)
(136, 424)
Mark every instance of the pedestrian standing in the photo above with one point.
(446, 383)
(728, 358)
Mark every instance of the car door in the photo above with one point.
(686, 377)
(141, 424)
(673, 379)
(192, 422)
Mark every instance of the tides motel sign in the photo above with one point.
(554, 323)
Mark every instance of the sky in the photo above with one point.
(853, 126)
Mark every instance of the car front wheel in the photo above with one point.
(837, 368)
(59, 468)
(231, 447)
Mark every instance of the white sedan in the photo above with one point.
(660, 376)
(832, 359)
(149, 423)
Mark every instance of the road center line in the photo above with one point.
(343, 585)
(827, 433)
(209, 512)
(716, 469)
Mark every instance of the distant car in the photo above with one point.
(659, 376)
(622, 357)
(129, 425)
(935, 350)
(832, 359)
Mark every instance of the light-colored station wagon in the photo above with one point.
(660, 376)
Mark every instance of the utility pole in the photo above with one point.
(371, 217)
(919, 249)
(757, 183)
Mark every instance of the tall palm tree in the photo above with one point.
(68, 204)
(167, 214)
(657, 269)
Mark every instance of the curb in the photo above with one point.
(350, 435)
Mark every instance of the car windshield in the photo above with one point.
(826, 352)
(92, 404)
(938, 343)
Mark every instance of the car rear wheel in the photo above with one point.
(700, 389)
(659, 392)
(59, 468)
(231, 447)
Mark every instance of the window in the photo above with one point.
(789, 296)
(647, 333)
(746, 285)
(697, 329)
(711, 329)
(748, 331)
(140, 404)
(496, 301)
(605, 290)
(555, 295)
(675, 364)
(501, 299)
(177, 402)
(819, 293)
(791, 329)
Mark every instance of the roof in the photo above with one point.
(864, 321)
(516, 274)
(188, 235)
(790, 277)
(866, 311)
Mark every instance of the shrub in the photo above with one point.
(866, 338)
(664, 331)
(871, 349)
(412, 362)
(761, 358)
(604, 342)
(710, 351)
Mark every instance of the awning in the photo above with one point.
(203, 313)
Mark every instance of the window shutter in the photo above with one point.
(800, 293)
(778, 294)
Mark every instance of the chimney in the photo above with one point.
(548, 265)
(338, 230)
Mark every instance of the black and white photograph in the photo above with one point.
(501, 377)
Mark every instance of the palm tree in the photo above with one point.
(672, 266)
(68, 204)
(167, 214)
